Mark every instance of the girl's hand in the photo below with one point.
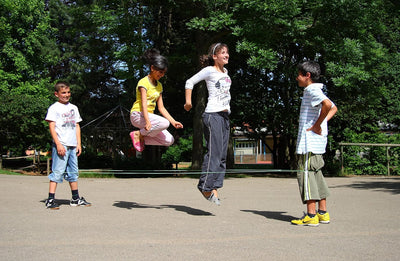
(187, 106)
(148, 126)
(177, 125)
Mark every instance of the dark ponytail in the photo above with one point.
(153, 58)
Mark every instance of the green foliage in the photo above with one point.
(96, 46)
(90, 159)
(356, 52)
(8, 172)
(368, 160)
(180, 152)
(26, 50)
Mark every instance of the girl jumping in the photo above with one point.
(215, 118)
(152, 127)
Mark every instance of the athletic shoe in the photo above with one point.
(138, 145)
(79, 202)
(306, 221)
(214, 199)
(324, 219)
(51, 204)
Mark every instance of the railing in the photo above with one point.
(342, 144)
(36, 161)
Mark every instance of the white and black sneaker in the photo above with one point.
(51, 204)
(79, 202)
(212, 198)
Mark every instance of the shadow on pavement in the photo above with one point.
(278, 215)
(185, 209)
(391, 186)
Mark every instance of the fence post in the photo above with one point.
(388, 160)
(341, 155)
(387, 145)
(48, 166)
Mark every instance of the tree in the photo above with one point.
(27, 50)
(96, 46)
(345, 37)
(211, 23)
(178, 152)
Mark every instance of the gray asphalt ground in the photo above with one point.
(168, 219)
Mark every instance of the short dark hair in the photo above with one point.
(60, 84)
(311, 67)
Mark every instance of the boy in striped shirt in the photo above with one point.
(315, 111)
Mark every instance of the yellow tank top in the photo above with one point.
(153, 93)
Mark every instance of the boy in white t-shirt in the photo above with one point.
(63, 118)
(315, 111)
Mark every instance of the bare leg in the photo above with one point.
(322, 204)
(207, 194)
(74, 185)
(52, 187)
(311, 206)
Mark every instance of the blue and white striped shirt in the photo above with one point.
(308, 141)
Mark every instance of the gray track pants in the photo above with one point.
(216, 133)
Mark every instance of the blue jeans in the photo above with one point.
(64, 167)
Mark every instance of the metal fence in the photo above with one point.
(342, 144)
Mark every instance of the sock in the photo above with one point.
(311, 215)
(321, 212)
(75, 194)
(52, 195)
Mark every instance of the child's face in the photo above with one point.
(156, 73)
(63, 95)
(222, 57)
(303, 80)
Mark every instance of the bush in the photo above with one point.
(182, 151)
(364, 160)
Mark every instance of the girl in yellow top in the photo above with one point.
(152, 127)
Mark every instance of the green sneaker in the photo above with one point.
(324, 219)
(306, 221)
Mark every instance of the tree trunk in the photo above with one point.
(230, 158)
(197, 153)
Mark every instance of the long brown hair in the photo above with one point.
(207, 59)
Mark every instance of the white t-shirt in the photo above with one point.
(218, 85)
(66, 116)
(308, 141)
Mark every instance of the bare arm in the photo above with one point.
(165, 113)
(331, 112)
(60, 148)
(188, 99)
(327, 111)
(78, 138)
(143, 93)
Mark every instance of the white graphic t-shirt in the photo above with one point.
(218, 85)
(66, 116)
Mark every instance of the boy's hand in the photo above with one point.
(60, 150)
(78, 150)
(316, 129)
